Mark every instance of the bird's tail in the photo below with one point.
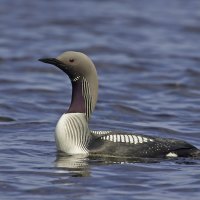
(196, 153)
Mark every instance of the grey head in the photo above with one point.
(83, 76)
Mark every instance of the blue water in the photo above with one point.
(148, 61)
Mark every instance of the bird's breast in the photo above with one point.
(72, 133)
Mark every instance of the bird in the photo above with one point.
(73, 135)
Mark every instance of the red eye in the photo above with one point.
(71, 60)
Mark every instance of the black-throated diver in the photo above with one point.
(73, 135)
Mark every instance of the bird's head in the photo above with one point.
(82, 72)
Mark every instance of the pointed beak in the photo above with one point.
(54, 61)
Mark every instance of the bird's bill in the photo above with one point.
(53, 61)
(59, 64)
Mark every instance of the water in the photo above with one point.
(147, 57)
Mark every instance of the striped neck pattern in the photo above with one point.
(81, 101)
(87, 98)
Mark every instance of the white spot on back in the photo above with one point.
(111, 138)
(131, 138)
(140, 139)
(100, 132)
(135, 139)
(114, 138)
(126, 138)
(108, 137)
(122, 138)
(118, 138)
(171, 154)
(145, 139)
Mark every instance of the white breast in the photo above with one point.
(72, 134)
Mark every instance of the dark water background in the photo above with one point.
(147, 55)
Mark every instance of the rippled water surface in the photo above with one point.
(147, 55)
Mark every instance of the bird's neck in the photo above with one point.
(77, 101)
(82, 100)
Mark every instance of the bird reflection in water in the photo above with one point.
(79, 165)
(75, 164)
